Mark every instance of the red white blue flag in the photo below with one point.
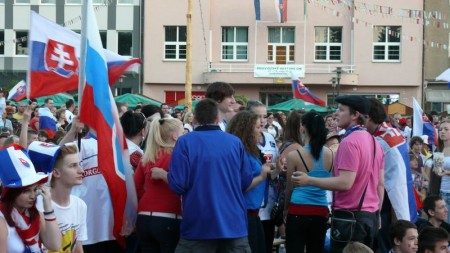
(54, 53)
(397, 172)
(18, 92)
(301, 92)
(422, 125)
(47, 122)
(281, 6)
(99, 111)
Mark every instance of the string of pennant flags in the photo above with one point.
(405, 37)
(66, 23)
(433, 18)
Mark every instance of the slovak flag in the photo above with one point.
(301, 92)
(18, 92)
(47, 122)
(99, 111)
(53, 62)
(422, 125)
(281, 8)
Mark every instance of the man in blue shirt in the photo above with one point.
(210, 170)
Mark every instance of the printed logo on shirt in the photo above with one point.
(272, 144)
(91, 172)
(268, 158)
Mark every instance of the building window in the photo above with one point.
(22, 1)
(48, 1)
(99, 1)
(125, 2)
(21, 43)
(175, 43)
(2, 1)
(386, 43)
(281, 45)
(103, 38)
(234, 43)
(125, 43)
(2, 42)
(73, 1)
(328, 43)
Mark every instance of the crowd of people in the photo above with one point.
(227, 177)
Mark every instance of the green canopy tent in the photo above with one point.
(181, 107)
(296, 104)
(58, 99)
(133, 99)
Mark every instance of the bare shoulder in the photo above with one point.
(3, 228)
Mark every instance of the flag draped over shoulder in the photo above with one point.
(301, 92)
(54, 53)
(422, 125)
(18, 92)
(397, 172)
(98, 111)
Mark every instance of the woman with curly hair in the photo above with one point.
(247, 126)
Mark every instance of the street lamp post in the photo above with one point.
(338, 71)
(333, 84)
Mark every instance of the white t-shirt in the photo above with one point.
(69, 116)
(95, 193)
(188, 127)
(270, 150)
(71, 221)
(15, 244)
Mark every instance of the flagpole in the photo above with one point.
(81, 69)
(188, 85)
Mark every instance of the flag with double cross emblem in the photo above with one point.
(54, 53)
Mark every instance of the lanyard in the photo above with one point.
(352, 129)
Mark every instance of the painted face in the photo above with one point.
(440, 210)
(444, 131)
(261, 111)
(409, 243)
(27, 198)
(71, 173)
(343, 116)
(227, 104)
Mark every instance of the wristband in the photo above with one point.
(49, 212)
(51, 219)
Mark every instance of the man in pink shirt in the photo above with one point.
(358, 183)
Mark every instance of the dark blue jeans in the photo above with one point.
(305, 231)
(157, 234)
(365, 230)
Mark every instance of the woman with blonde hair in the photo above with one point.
(159, 209)
(188, 121)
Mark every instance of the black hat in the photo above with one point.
(357, 102)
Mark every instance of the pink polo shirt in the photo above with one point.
(355, 153)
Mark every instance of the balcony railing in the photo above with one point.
(309, 68)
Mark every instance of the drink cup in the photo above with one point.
(438, 162)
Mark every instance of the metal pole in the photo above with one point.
(188, 85)
(81, 70)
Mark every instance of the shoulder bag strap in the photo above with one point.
(373, 164)
(301, 157)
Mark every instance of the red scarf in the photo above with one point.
(27, 231)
